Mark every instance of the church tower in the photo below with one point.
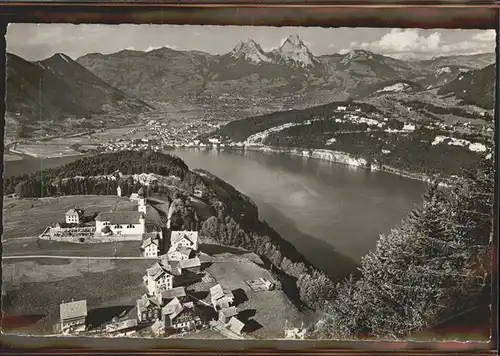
(119, 191)
(142, 201)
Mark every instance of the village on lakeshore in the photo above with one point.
(169, 307)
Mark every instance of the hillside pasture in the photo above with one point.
(30, 217)
(264, 312)
(38, 288)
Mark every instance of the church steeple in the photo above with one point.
(142, 201)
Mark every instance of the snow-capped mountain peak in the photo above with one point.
(294, 51)
(250, 51)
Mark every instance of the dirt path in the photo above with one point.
(79, 257)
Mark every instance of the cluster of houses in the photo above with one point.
(169, 308)
(165, 307)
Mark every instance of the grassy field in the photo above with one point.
(110, 287)
(26, 247)
(265, 312)
(29, 217)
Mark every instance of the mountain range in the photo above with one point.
(59, 91)
(247, 79)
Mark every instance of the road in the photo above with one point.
(79, 257)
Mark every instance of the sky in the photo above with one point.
(40, 41)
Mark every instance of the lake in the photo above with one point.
(331, 212)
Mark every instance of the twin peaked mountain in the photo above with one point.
(97, 89)
(293, 51)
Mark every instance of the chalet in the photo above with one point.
(180, 316)
(226, 314)
(220, 298)
(73, 316)
(148, 309)
(235, 325)
(158, 279)
(74, 216)
(188, 239)
(150, 247)
(178, 254)
(192, 264)
(130, 223)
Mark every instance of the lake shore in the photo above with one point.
(338, 157)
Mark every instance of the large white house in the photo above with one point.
(73, 216)
(186, 239)
(158, 279)
(150, 247)
(128, 223)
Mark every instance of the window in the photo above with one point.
(130, 226)
(117, 226)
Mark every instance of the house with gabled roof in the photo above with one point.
(180, 316)
(226, 314)
(148, 309)
(188, 239)
(74, 216)
(172, 266)
(235, 325)
(158, 279)
(221, 298)
(73, 316)
(179, 253)
(150, 247)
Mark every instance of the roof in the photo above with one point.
(73, 309)
(177, 236)
(149, 241)
(121, 217)
(177, 292)
(229, 312)
(216, 292)
(236, 325)
(74, 212)
(190, 263)
(157, 270)
(134, 196)
(171, 307)
(186, 251)
(179, 308)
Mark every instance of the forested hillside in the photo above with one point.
(436, 264)
(234, 221)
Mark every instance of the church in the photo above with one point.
(126, 224)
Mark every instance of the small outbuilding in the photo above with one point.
(73, 316)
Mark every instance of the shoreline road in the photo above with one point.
(79, 257)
